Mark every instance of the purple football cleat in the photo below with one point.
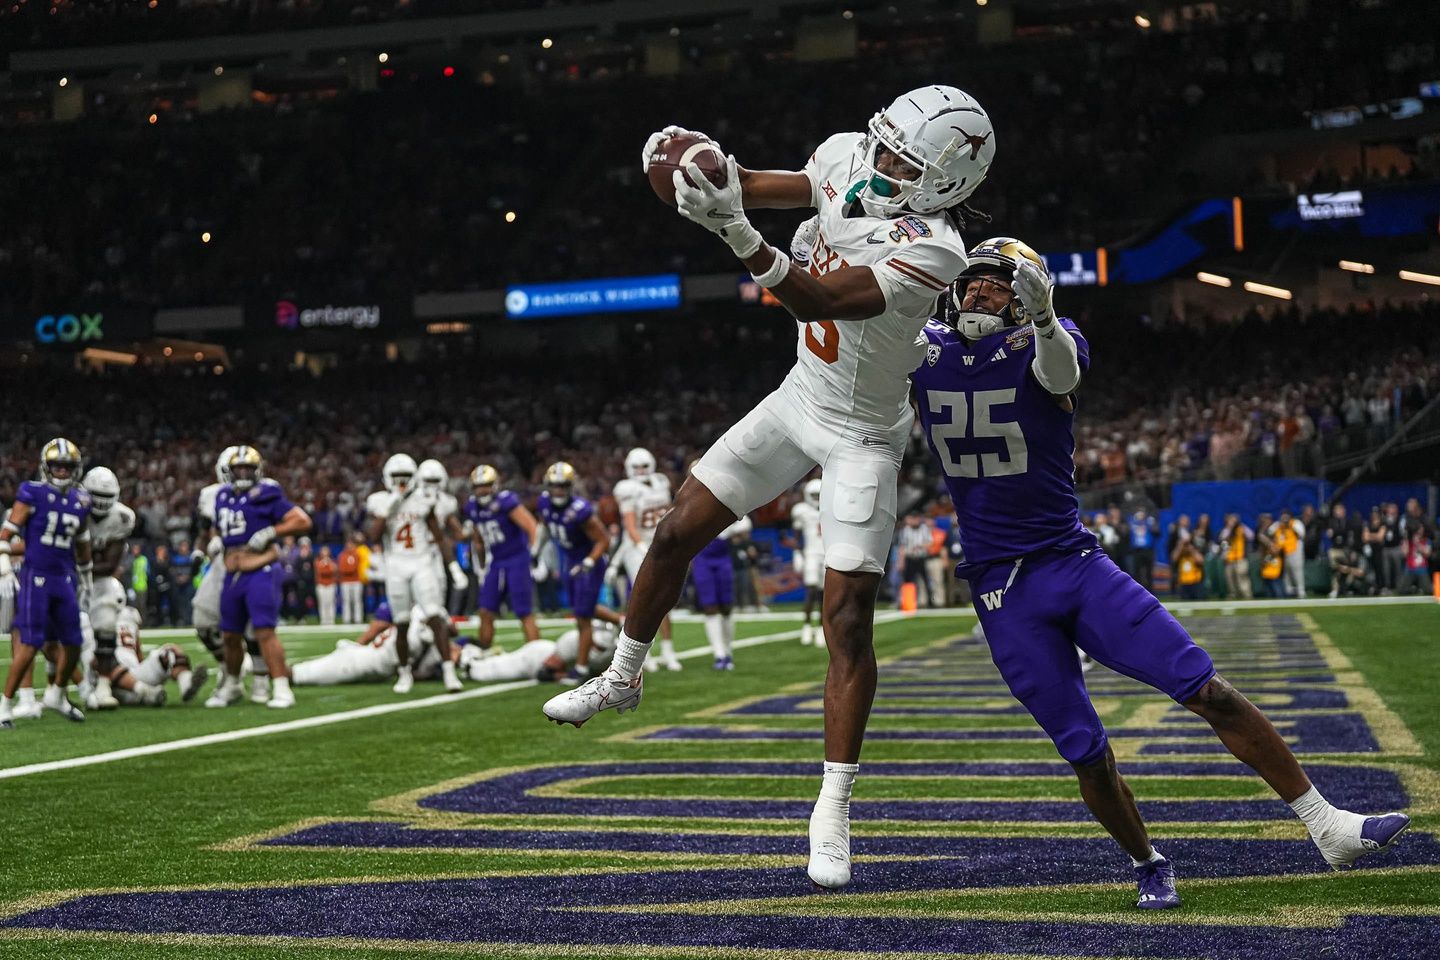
(1157, 886)
(1383, 831)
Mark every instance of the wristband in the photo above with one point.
(778, 271)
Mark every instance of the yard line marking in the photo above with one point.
(361, 713)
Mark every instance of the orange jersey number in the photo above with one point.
(827, 345)
(405, 536)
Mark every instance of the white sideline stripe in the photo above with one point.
(378, 710)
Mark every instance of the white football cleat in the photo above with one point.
(150, 696)
(450, 678)
(28, 711)
(227, 691)
(829, 851)
(1351, 836)
(652, 663)
(282, 699)
(102, 696)
(806, 635)
(196, 684)
(404, 680)
(594, 695)
(56, 700)
(670, 662)
(259, 689)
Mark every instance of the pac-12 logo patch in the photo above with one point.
(932, 354)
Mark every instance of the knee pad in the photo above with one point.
(1080, 743)
(848, 558)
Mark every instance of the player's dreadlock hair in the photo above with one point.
(962, 214)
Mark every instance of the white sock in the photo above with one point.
(629, 656)
(835, 789)
(727, 624)
(447, 670)
(27, 696)
(667, 649)
(184, 679)
(279, 685)
(4, 705)
(403, 670)
(1314, 811)
(1154, 857)
(715, 633)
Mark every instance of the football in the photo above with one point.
(673, 153)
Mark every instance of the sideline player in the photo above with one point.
(996, 397)
(643, 498)
(111, 523)
(503, 529)
(252, 514)
(890, 204)
(805, 517)
(404, 514)
(581, 542)
(50, 516)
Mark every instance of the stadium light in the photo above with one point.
(205, 237)
(1142, 21)
(219, 70)
(64, 81)
(154, 118)
(383, 57)
(1355, 266)
(981, 3)
(1415, 277)
(547, 43)
(1279, 293)
(848, 14)
(509, 216)
(1214, 279)
(448, 71)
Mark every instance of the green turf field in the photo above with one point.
(470, 826)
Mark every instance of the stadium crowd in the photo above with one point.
(1102, 122)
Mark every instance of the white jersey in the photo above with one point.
(115, 526)
(407, 536)
(646, 497)
(854, 373)
(206, 503)
(805, 517)
(446, 506)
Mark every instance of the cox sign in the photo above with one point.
(70, 328)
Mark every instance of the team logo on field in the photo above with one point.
(932, 354)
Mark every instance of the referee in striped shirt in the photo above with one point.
(916, 539)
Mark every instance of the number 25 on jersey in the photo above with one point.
(983, 403)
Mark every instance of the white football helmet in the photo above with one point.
(399, 473)
(432, 475)
(812, 492)
(639, 464)
(944, 133)
(222, 465)
(103, 488)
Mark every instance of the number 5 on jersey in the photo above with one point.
(1016, 459)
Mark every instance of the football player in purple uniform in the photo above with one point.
(581, 542)
(251, 514)
(503, 528)
(49, 515)
(996, 395)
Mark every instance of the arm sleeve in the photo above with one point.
(1057, 359)
(913, 278)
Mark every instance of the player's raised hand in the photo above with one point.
(714, 208)
(804, 240)
(457, 575)
(652, 143)
(1035, 293)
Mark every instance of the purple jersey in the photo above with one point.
(717, 549)
(567, 526)
(56, 518)
(502, 536)
(239, 515)
(1006, 446)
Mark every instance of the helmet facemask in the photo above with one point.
(989, 308)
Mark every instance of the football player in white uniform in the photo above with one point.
(643, 498)
(374, 656)
(433, 479)
(545, 660)
(205, 608)
(111, 523)
(404, 514)
(810, 557)
(891, 202)
(139, 678)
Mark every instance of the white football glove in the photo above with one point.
(9, 583)
(652, 144)
(584, 566)
(214, 548)
(261, 539)
(720, 210)
(6, 569)
(457, 575)
(1035, 292)
(538, 571)
(804, 240)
